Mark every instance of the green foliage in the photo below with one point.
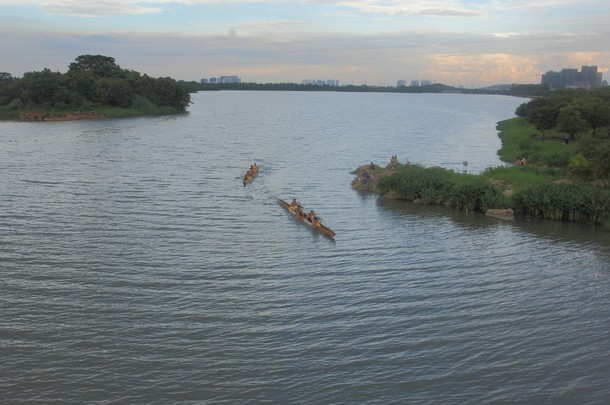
(519, 140)
(440, 186)
(570, 110)
(520, 176)
(413, 182)
(570, 121)
(97, 65)
(15, 105)
(516, 135)
(478, 196)
(535, 194)
(597, 154)
(580, 166)
(571, 202)
(92, 82)
(144, 105)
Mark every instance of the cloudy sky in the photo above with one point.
(470, 43)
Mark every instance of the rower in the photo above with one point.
(293, 205)
(316, 222)
(310, 215)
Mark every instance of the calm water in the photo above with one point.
(136, 268)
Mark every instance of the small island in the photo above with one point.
(557, 154)
(93, 87)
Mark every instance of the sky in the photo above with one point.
(469, 43)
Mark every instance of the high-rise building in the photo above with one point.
(568, 76)
(588, 78)
(589, 74)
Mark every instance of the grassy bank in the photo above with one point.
(520, 139)
(543, 188)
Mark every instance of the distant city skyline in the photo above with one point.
(470, 43)
(588, 78)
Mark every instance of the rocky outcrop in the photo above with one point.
(368, 176)
(506, 214)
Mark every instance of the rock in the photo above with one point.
(506, 214)
(563, 181)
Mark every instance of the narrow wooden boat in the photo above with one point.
(303, 218)
(249, 176)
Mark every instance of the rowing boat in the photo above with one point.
(249, 176)
(303, 218)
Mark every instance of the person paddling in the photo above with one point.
(310, 215)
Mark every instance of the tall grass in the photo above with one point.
(570, 202)
(519, 177)
(534, 193)
(440, 186)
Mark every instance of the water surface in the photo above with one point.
(136, 268)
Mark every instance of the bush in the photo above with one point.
(144, 105)
(478, 196)
(413, 182)
(437, 186)
(14, 105)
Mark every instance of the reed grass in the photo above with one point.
(569, 202)
(534, 194)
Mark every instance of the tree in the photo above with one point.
(571, 122)
(594, 110)
(98, 65)
(544, 117)
(117, 93)
(42, 87)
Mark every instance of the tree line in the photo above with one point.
(514, 90)
(92, 81)
(573, 111)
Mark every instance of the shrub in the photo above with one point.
(15, 105)
(413, 182)
(478, 196)
(144, 105)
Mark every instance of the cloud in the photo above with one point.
(101, 8)
(89, 8)
(416, 8)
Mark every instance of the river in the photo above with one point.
(136, 268)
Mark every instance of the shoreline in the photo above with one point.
(368, 177)
(45, 116)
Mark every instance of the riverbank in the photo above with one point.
(502, 192)
(45, 116)
(99, 113)
(373, 178)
